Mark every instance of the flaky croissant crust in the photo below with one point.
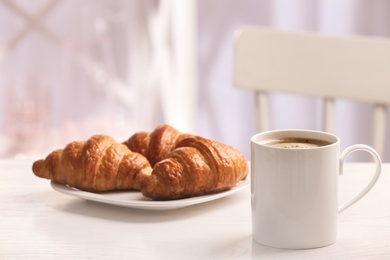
(195, 167)
(155, 145)
(99, 164)
(184, 165)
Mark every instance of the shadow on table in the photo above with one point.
(125, 214)
(266, 252)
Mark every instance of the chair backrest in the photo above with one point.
(356, 68)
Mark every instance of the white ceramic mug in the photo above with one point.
(294, 191)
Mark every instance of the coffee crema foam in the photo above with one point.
(295, 143)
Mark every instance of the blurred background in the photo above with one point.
(70, 69)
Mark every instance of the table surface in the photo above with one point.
(39, 222)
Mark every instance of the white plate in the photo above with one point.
(134, 199)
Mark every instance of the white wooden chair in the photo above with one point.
(355, 68)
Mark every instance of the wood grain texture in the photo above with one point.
(36, 222)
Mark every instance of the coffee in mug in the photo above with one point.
(294, 187)
(293, 143)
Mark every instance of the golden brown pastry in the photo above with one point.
(99, 164)
(155, 145)
(197, 166)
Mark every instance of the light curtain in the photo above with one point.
(116, 67)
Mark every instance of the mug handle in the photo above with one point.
(378, 162)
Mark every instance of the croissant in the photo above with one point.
(155, 145)
(197, 166)
(97, 165)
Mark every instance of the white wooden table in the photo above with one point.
(37, 222)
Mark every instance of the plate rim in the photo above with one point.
(148, 204)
